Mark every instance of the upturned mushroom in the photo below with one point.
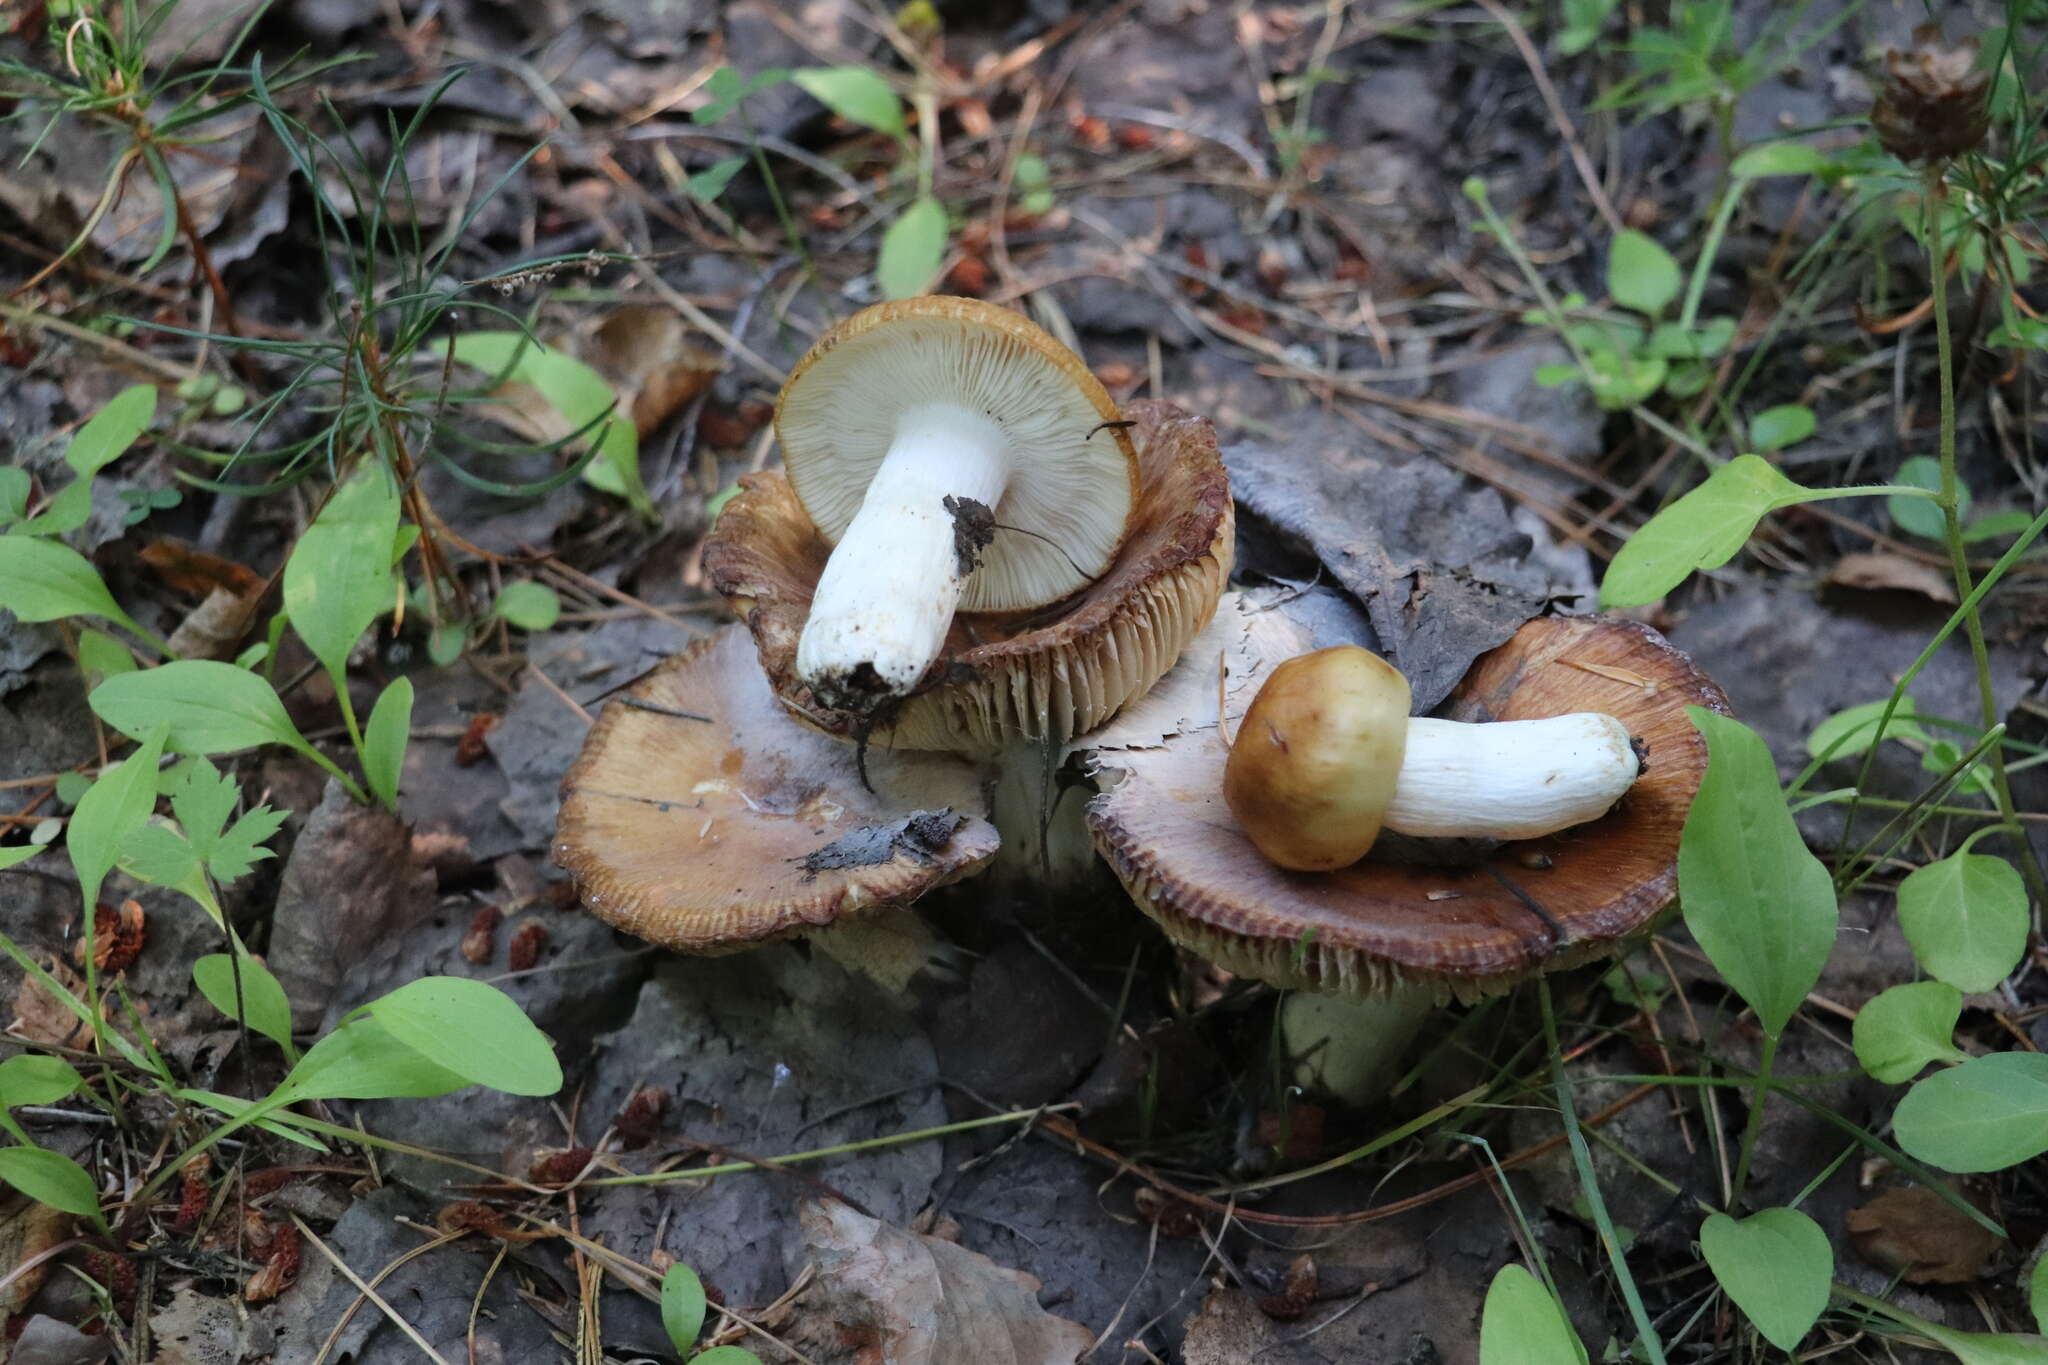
(702, 817)
(1372, 946)
(1327, 756)
(956, 456)
(1003, 679)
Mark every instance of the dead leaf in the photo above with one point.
(279, 1269)
(117, 938)
(1230, 1330)
(46, 1341)
(1440, 569)
(197, 1330)
(888, 1297)
(27, 1230)
(1916, 1234)
(1877, 571)
(644, 351)
(192, 571)
(41, 1017)
(215, 627)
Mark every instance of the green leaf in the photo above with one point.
(203, 798)
(159, 855)
(1583, 20)
(1776, 1265)
(2037, 1293)
(1702, 530)
(856, 94)
(1640, 274)
(579, 393)
(362, 1061)
(1522, 1324)
(1778, 158)
(445, 642)
(1919, 516)
(117, 804)
(727, 90)
(1903, 1029)
(1966, 917)
(51, 1178)
(101, 656)
(41, 580)
(10, 857)
(15, 485)
(682, 1307)
(112, 430)
(529, 606)
(337, 581)
(1552, 376)
(385, 739)
(1703, 342)
(29, 1078)
(1997, 526)
(474, 1030)
(1785, 425)
(912, 249)
(1987, 1114)
(1759, 904)
(1850, 731)
(266, 1008)
(725, 1355)
(64, 513)
(210, 707)
(707, 184)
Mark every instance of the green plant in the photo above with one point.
(682, 1316)
(914, 245)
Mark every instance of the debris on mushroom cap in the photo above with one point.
(1525, 907)
(1007, 677)
(1072, 472)
(702, 817)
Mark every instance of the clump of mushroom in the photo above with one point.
(1327, 756)
(1374, 944)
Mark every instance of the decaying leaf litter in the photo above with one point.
(1252, 210)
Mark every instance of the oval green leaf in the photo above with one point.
(51, 1178)
(208, 706)
(912, 249)
(111, 431)
(385, 739)
(1919, 516)
(265, 1007)
(1776, 1265)
(30, 1078)
(1851, 730)
(1966, 917)
(1521, 1324)
(1778, 158)
(118, 803)
(529, 606)
(1985, 1115)
(1702, 530)
(856, 94)
(362, 1061)
(473, 1029)
(41, 580)
(1760, 905)
(1785, 425)
(1903, 1029)
(682, 1307)
(1640, 274)
(338, 580)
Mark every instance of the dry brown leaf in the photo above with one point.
(27, 1230)
(1880, 571)
(41, 1017)
(192, 571)
(644, 351)
(888, 1297)
(1916, 1234)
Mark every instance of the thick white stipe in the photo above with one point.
(1513, 779)
(889, 590)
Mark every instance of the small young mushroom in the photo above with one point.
(1381, 943)
(1327, 756)
(702, 817)
(1004, 680)
(957, 457)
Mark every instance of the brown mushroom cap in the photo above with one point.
(702, 817)
(1312, 771)
(1048, 674)
(1378, 925)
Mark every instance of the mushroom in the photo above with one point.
(701, 816)
(955, 456)
(1376, 944)
(1015, 678)
(1327, 756)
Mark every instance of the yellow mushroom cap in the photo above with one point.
(1312, 770)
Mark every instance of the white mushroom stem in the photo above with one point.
(890, 588)
(1511, 779)
(1352, 1048)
